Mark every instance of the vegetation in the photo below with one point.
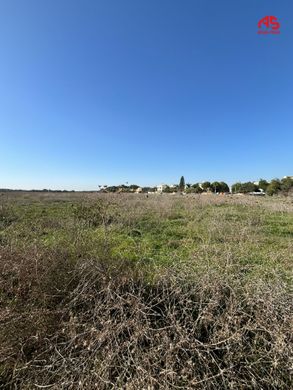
(134, 292)
(181, 186)
(276, 186)
(244, 188)
(263, 184)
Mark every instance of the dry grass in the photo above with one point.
(145, 293)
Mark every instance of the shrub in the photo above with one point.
(102, 324)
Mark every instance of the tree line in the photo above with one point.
(275, 186)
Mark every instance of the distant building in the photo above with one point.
(138, 190)
(161, 188)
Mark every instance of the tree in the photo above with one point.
(196, 189)
(248, 187)
(263, 184)
(216, 186)
(181, 186)
(206, 186)
(221, 186)
(224, 187)
(111, 189)
(274, 187)
(286, 184)
(133, 186)
(148, 189)
(167, 190)
(236, 188)
(244, 188)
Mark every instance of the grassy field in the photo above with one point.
(124, 291)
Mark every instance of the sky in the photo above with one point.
(96, 92)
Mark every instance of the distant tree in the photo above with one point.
(224, 187)
(198, 189)
(111, 189)
(148, 189)
(133, 187)
(195, 189)
(167, 190)
(206, 186)
(216, 186)
(181, 186)
(249, 187)
(236, 187)
(263, 184)
(286, 185)
(274, 187)
(244, 188)
(124, 188)
(221, 186)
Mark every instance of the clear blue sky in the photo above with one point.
(143, 91)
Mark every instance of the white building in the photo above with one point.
(161, 188)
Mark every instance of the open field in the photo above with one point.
(124, 291)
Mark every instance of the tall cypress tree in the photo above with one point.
(181, 186)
